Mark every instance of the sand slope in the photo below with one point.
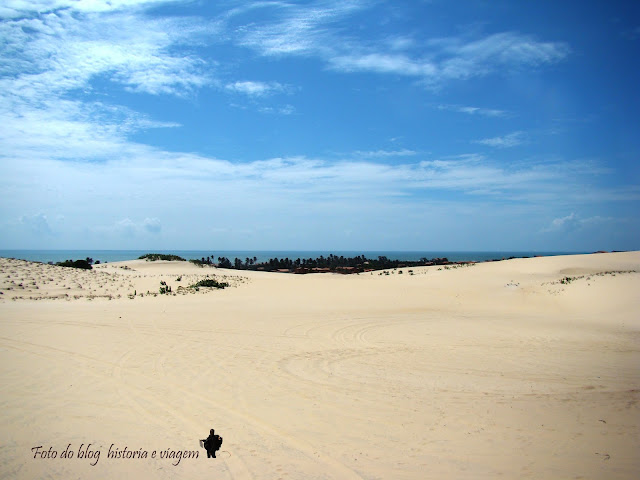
(496, 369)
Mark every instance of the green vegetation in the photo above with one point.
(152, 257)
(83, 264)
(568, 280)
(209, 282)
(321, 264)
(164, 288)
(203, 262)
(332, 263)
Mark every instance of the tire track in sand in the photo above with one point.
(144, 403)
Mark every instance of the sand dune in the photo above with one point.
(527, 368)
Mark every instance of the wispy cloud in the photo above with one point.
(507, 48)
(558, 223)
(67, 50)
(304, 178)
(315, 32)
(511, 140)
(385, 153)
(296, 30)
(573, 221)
(485, 112)
(256, 89)
(65, 148)
(56, 58)
(384, 63)
(69, 129)
(463, 59)
(315, 193)
(279, 110)
(18, 8)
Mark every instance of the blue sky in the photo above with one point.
(320, 125)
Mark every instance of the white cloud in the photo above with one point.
(67, 51)
(313, 32)
(300, 179)
(76, 158)
(485, 112)
(508, 48)
(13, 8)
(574, 222)
(280, 110)
(511, 140)
(279, 197)
(256, 89)
(59, 54)
(384, 63)
(298, 31)
(561, 222)
(462, 59)
(385, 153)
(309, 32)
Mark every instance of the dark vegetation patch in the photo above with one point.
(568, 280)
(321, 264)
(152, 257)
(209, 283)
(82, 264)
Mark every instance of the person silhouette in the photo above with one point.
(212, 444)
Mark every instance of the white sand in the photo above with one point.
(490, 370)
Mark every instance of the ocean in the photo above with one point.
(54, 256)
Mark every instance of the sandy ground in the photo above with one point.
(485, 371)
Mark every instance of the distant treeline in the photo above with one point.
(332, 263)
(152, 257)
(83, 264)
